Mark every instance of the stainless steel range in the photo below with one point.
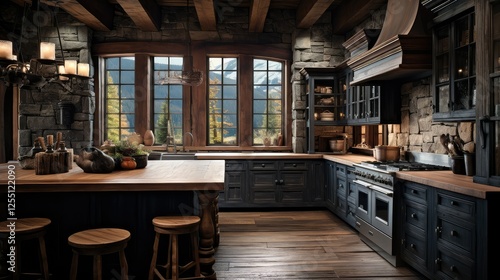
(375, 182)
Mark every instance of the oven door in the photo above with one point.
(382, 209)
(363, 208)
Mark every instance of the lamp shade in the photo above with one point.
(47, 50)
(70, 66)
(83, 69)
(5, 49)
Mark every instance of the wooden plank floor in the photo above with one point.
(296, 245)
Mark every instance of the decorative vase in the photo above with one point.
(149, 138)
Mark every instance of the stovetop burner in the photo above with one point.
(402, 166)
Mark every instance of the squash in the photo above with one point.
(128, 163)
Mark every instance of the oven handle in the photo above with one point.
(375, 188)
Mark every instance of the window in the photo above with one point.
(223, 101)
(167, 100)
(267, 100)
(242, 100)
(120, 98)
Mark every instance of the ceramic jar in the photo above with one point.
(149, 138)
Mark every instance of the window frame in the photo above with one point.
(195, 98)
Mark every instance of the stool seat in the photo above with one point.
(174, 226)
(97, 242)
(25, 229)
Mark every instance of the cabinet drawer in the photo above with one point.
(415, 249)
(235, 166)
(456, 206)
(263, 165)
(452, 266)
(416, 216)
(293, 165)
(415, 192)
(459, 236)
(341, 170)
(341, 187)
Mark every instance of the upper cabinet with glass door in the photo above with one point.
(454, 76)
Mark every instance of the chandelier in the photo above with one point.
(42, 70)
(188, 75)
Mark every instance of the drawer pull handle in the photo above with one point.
(358, 224)
(438, 230)
(414, 215)
(413, 191)
(412, 246)
(453, 268)
(453, 203)
(454, 233)
(263, 165)
(294, 165)
(370, 232)
(437, 261)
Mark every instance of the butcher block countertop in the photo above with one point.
(164, 175)
(257, 155)
(445, 180)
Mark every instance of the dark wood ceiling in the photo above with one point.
(146, 14)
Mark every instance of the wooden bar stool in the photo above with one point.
(26, 229)
(98, 242)
(175, 226)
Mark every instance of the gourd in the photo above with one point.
(128, 163)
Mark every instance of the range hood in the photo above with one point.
(403, 48)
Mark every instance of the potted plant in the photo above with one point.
(128, 149)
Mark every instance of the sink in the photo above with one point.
(178, 156)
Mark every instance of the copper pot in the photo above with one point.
(386, 153)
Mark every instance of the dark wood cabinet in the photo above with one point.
(488, 111)
(454, 73)
(446, 235)
(340, 191)
(376, 103)
(271, 183)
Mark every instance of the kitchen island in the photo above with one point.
(127, 199)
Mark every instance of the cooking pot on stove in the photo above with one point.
(386, 153)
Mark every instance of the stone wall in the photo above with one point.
(39, 112)
(417, 132)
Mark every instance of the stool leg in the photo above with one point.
(74, 266)
(97, 267)
(155, 255)
(123, 265)
(196, 256)
(169, 258)
(175, 257)
(43, 254)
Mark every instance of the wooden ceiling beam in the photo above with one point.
(146, 14)
(258, 14)
(309, 11)
(350, 13)
(206, 14)
(97, 15)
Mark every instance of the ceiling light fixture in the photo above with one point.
(188, 76)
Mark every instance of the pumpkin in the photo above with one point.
(128, 163)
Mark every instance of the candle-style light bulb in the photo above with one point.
(47, 50)
(5, 49)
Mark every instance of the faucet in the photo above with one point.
(192, 141)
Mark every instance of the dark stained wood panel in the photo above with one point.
(308, 12)
(206, 14)
(350, 13)
(98, 15)
(146, 14)
(258, 14)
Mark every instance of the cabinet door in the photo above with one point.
(262, 187)
(454, 75)
(330, 185)
(292, 186)
(234, 184)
